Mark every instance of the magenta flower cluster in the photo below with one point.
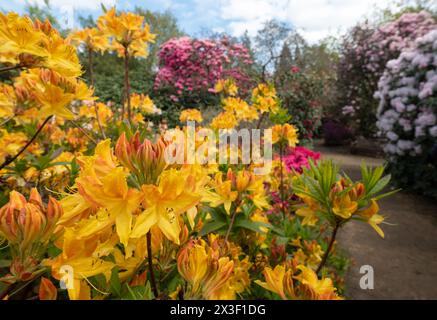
(189, 65)
(298, 158)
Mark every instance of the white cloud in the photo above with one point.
(77, 4)
(315, 18)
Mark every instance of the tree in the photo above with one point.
(285, 62)
(268, 42)
(42, 13)
(165, 26)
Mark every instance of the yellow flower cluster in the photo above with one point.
(50, 83)
(345, 200)
(236, 110)
(305, 285)
(36, 44)
(285, 133)
(92, 38)
(144, 104)
(127, 32)
(213, 269)
(191, 115)
(227, 86)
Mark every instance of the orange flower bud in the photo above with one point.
(145, 160)
(26, 224)
(139, 279)
(244, 178)
(47, 290)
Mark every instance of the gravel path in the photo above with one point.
(405, 262)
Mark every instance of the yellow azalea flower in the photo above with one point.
(17, 36)
(286, 132)
(279, 280)
(258, 216)
(138, 118)
(131, 261)
(113, 193)
(92, 38)
(372, 217)
(222, 193)
(61, 57)
(240, 108)
(264, 98)
(299, 256)
(344, 207)
(317, 289)
(314, 255)
(164, 203)
(309, 215)
(55, 101)
(84, 258)
(192, 263)
(227, 86)
(128, 31)
(7, 101)
(309, 211)
(144, 104)
(191, 115)
(224, 120)
(209, 272)
(103, 185)
(103, 161)
(213, 285)
(11, 143)
(257, 193)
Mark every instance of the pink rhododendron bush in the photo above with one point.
(407, 114)
(192, 65)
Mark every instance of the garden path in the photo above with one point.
(405, 262)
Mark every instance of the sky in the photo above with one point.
(315, 19)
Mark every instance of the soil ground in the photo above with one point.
(405, 262)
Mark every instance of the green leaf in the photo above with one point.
(138, 292)
(211, 226)
(252, 225)
(115, 284)
(103, 7)
(381, 184)
(5, 263)
(387, 194)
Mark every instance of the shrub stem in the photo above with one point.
(8, 162)
(331, 243)
(150, 259)
(126, 85)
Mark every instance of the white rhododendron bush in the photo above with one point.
(407, 112)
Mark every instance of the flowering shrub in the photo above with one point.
(92, 205)
(366, 51)
(192, 65)
(298, 92)
(407, 114)
(335, 132)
